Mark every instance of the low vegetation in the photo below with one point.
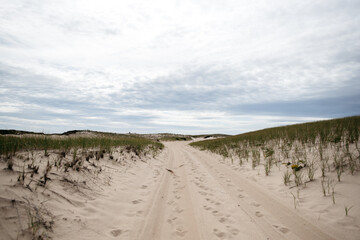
(9, 145)
(36, 163)
(337, 131)
(330, 146)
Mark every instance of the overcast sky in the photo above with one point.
(177, 66)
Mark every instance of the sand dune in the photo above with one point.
(183, 193)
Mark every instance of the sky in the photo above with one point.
(184, 66)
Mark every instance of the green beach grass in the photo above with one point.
(335, 131)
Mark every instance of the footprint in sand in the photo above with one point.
(207, 208)
(116, 232)
(143, 187)
(215, 212)
(219, 234)
(137, 201)
(171, 220)
(179, 210)
(234, 231)
(284, 230)
(258, 214)
(255, 204)
(222, 220)
(240, 196)
(180, 231)
(203, 193)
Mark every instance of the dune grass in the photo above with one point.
(335, 131)
(332, 146)
(9, 145)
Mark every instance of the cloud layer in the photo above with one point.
(177, 66)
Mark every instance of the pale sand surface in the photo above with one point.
(203, 196)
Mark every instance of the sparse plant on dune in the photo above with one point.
(22, 176)
(298, 178)
(311, 170)
(323, 168)
(240, 161)
(268, 154)
(34, 168)
(34, 225)
(351, 159)
(45, 178)
(267, 166)
(330, 183)
(347, 209)
(323, 186)
(333, 192)
(339, 164)
(74, 154)
(255, 158)
(10, 164)
(38, 222)
(286, 177)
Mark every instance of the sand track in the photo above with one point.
(200, 198)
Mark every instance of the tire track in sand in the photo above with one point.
(203, 199)
(274, 219)
(170, 214)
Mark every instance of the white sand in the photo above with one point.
(203, 196)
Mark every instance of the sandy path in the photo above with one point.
(204, 199)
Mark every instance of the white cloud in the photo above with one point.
(86, 57)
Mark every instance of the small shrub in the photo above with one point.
(286, 177)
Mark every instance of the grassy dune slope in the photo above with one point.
(63, 171)
(312, 166)
(9, 145)
(336, 131)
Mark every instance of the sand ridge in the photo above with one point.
(182, 193)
